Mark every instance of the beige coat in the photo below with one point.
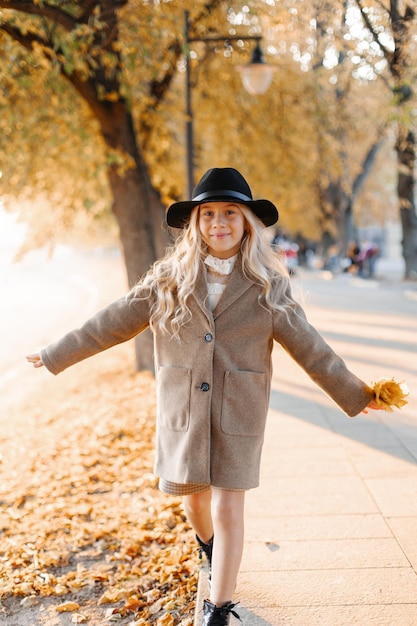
(213, 385)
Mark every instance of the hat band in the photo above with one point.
(222, 192)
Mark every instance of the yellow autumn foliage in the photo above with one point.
(291, 143)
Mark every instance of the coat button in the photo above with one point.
(208, 337)
(204, 386)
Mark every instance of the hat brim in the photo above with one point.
(178, 214)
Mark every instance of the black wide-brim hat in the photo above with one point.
(221, 185)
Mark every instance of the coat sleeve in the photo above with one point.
(118, 322)
(326, 368)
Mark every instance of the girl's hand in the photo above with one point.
(372, 405)
(35, 359)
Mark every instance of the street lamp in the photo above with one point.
(256, 79)
(256, 75)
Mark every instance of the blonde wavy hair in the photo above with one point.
(171, 280)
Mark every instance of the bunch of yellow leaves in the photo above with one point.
(389, 394)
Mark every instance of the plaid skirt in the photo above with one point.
(178, 489)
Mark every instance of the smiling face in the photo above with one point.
(222, 226)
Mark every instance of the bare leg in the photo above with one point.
(228, 524)
(198, 511)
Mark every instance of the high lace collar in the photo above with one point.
(221, 266)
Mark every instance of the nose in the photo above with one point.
(218, 219)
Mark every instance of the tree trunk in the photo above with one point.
(405, 148)
(137, 208)
(400, 63)
(337, 213)
(337, 206)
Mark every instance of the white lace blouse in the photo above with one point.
(221, 267)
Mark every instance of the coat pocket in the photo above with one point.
(245, 403)
(173, 394)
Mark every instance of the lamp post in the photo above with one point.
(256, 78)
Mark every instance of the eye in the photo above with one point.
(232, 209)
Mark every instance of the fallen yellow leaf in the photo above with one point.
(165, 620)
(67, 607)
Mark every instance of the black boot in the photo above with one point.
(217, 615)
(207, 548)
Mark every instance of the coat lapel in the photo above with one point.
(235, 288)
(201, 294)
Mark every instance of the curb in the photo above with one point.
(202, 593)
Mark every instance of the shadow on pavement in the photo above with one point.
(398, 440)
(248, 617)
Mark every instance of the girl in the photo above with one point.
(215, 303)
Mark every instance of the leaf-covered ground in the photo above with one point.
(86, 536)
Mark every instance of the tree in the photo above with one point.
(103, 91)
(348, 144)
(80, 42)
(333, 148)
(401, 57)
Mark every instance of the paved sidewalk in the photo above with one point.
(331, 532)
